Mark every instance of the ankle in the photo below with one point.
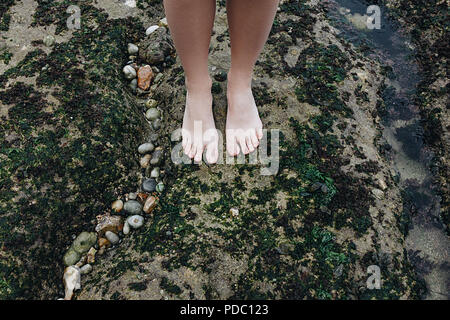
(239, 80)
(199, 85)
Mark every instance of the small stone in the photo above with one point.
(150, 204)
(136, 221)
(112, 237)
(84, 242)
(220, 76)
(378, 193)
(146, 148)
(152, 114)
(126, 228)
(160, 187)
(151, 103)
(90, 258)
(145, 160)
(151, 29)
(129, 72)
(156, 157)
(132, 196)
(102, 242)
(86, 269)
(117, 205)
(72, 281)
(49, 40)
(176, 135)
(133, 207)
(133, 84)
(382, 184)
(145, 77)
(142, 196)
(163, 22)
(155, 173)
(71, 257)
(154, 137)
(157, 124)
(149, 185)
(234, 212)
(132, 49)
(108, 223)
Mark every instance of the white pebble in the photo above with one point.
(151, 29)
(132, 48)
(126, 228)
(112, 237)
(129, 72)
(86, 269)
(136, 221)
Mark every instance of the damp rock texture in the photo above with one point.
(68, 147)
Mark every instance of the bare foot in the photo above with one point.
(244, 127)
(199, 130)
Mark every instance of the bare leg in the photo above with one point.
(250, 22)
(190, 23)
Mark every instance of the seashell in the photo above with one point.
(72, 281)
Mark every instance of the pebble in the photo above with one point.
(103, 243)
(133, 84)
(234, 212)
(132, 196)
(145, 77)
(378, 193)
(136, 221)
(149, 185)
(163, 22)
(117, 205)
(157, 124)
(176, 135)
(145, 160)
(71, 257)
(126, 228)
(133, 207)
(151, 103)
(84, 242)
(49, 40)
(146, 148)
(72, 281)
(86, 269)
(152, 114)
(150, 204)
(151, 29)
(160, 187)
(108, 223)
(91, 255)
(154, 137)
(156, 156)
(112, 237)
(132, 49)
(129, 72)
(382, 184)
(155, 173)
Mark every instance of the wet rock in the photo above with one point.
(126, 228)
(84, 242)
(149, 185)
(220, 76)
(145, 161)
(176, 135)
(136, 221)
(117, 206)
(155, 173)
(151, 29)
(112, 237)
(90, 258)
(72, 281)
(146, 148)
(132, 49)
(160, 187)
(108, 223)
(129, 72)
(151, 103)
(133, 207)
(152, 114)
(71, 257)
(87, 268)
(150, 204)
(156, 156)
(145, 77)
(156, 47)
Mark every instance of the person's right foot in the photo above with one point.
(199, 130)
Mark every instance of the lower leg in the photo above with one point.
(249, 22)
(190, 23)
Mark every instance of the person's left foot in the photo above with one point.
(244, 127)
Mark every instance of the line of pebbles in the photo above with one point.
(129, 213)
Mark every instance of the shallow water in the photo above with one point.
(427, 243)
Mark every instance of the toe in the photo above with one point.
(259, 133)
(231, 145)
(254, 139)
(198, 153)
(212, 154)
(249, 143)
(243, 144)
(187, 148)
